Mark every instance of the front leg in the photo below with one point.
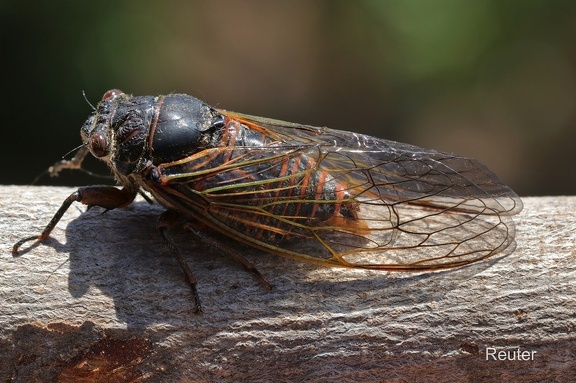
(107, 197)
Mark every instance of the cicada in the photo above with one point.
(312, 194)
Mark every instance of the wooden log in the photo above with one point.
(103, 300)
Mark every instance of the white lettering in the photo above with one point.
(490, 352)
(497, 353)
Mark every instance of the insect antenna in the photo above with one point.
(73, 150)
(88, 102)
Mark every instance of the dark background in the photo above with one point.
(493, 80)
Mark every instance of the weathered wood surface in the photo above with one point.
(104, 299)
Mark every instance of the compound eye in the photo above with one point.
(111, 94)
(98, 145)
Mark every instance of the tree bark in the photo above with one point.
(104, 300)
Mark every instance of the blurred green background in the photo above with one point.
(493, 80)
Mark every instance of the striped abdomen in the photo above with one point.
(259, 190)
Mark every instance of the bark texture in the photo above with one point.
(103, 300)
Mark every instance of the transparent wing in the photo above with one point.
(343, 199)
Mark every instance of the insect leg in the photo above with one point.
(107, 197)
(231, 252)
(166, 220)
(74, 163)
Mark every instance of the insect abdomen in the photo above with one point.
(259, 190)
(282, 199)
